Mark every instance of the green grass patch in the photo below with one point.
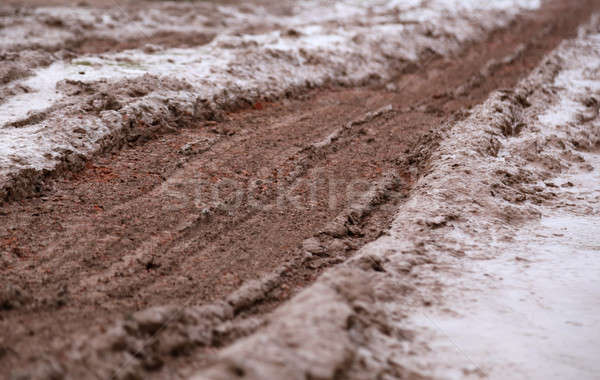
(83, 63)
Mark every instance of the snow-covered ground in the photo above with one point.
(532, 312)
(64, 113)
(26, 27)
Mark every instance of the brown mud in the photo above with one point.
(136, 227)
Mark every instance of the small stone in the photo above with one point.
(313, 246)
(151, 320)
(335, 229)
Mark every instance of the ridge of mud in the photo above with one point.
(482, 183)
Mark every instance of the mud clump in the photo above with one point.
(19, 65)
(8, 73)
(13, 297)
(139, 343)
(197, 147)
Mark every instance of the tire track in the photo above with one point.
(56, 245)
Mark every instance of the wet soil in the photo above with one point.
(187, 217)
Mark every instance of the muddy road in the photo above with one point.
(281, 188)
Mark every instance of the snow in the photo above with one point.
(200, 64)
(532, 313)
(574, 82)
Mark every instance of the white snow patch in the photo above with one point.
(574, 83)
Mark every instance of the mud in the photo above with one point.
(234, 71)
(150, 275)
(482, 185)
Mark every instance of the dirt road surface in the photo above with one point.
(214, 222)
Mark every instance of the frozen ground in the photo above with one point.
(83, 104)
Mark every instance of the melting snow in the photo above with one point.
(533, 311)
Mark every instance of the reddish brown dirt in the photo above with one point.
(132, 230)
(98, 45)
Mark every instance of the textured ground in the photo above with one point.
(170, 209)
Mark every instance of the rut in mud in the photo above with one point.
(283, 188)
